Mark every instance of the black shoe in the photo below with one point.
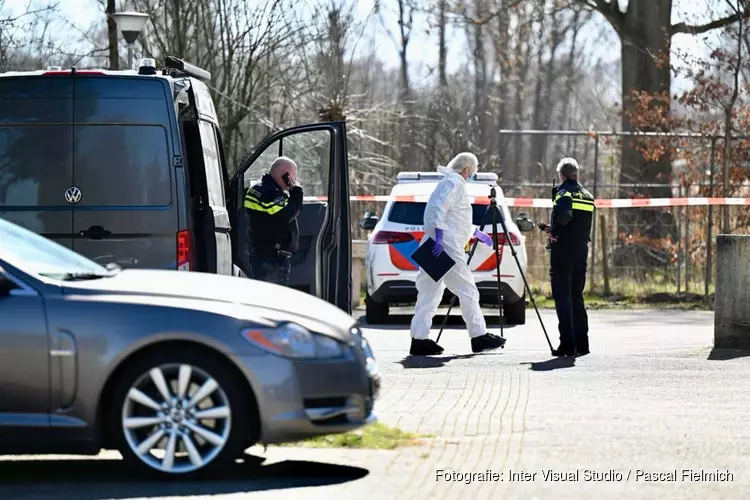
(582, 352)
(424, 347)
(487, 342)
(559, 352)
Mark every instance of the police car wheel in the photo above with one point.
(375, 312)
(515, 314)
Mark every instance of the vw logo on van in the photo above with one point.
(73, 195)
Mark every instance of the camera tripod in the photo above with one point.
(493, 211)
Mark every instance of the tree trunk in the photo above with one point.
(502, 61)
(541, 76)
(645, 68)
(480, 81)
(406, 13)
(443, 51)
(523, 73)
(571, 80)
(114, 56)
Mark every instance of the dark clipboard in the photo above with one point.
(435, 267)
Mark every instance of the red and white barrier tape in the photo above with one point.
(547, 203)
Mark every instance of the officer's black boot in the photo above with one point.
(563, 351)
(487, 342)
(582, 349)
(424, 347)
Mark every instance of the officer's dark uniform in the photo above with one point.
(572, 217)
(274, 232)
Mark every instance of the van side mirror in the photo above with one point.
(368, 221)
(524, 224)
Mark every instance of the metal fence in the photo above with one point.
(626, 258)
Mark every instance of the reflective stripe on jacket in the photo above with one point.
(572, 213)
(272, 217)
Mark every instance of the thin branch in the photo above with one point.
(609, 9)
(703, 28)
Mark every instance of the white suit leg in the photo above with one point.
(460, 282)
(429, 295)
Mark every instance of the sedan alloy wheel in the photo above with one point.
(176, 418)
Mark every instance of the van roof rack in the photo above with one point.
(181, 67)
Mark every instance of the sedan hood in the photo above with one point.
(275, 302)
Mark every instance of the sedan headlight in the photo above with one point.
(294, 341)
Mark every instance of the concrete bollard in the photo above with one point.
(359, 251)
(732, 303)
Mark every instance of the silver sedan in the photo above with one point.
(179, 371)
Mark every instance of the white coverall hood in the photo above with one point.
(449, 209)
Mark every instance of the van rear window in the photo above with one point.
(25, 100)
(118, 165)
(36, 164)
(412, 213)
(110, 99)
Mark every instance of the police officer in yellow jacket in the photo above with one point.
(570, 234)
(272, 219)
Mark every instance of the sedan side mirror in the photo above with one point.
(524, 224)
(369, 221)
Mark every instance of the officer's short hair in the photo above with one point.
(568, 168)
(283, 160)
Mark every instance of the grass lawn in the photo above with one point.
(655, 300)
(377, 436)
(644, 299)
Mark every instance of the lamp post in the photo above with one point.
(131, 24)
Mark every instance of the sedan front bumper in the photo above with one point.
(298, 399)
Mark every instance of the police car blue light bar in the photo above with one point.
(480, 177)
(419, 176)
(486, 177)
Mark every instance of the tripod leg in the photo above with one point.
(468, 261)
(445, 318)
(496, 246)
(525, 282)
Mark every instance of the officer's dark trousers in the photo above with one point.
(568, 265)
(271, 270)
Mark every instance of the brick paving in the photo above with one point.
(646, 398)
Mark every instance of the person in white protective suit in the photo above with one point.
(448, 221)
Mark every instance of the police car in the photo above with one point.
(391, 272)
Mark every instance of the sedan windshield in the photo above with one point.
(36, 254)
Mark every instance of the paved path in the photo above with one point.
(651, 399)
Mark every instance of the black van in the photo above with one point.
(128, 168)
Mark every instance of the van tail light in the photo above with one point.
(390, 237)
(184, 253)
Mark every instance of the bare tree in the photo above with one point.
(645, 30)
(24, 39)
(738, 6)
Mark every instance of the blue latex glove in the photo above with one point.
(438, 248)
(483, 237)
